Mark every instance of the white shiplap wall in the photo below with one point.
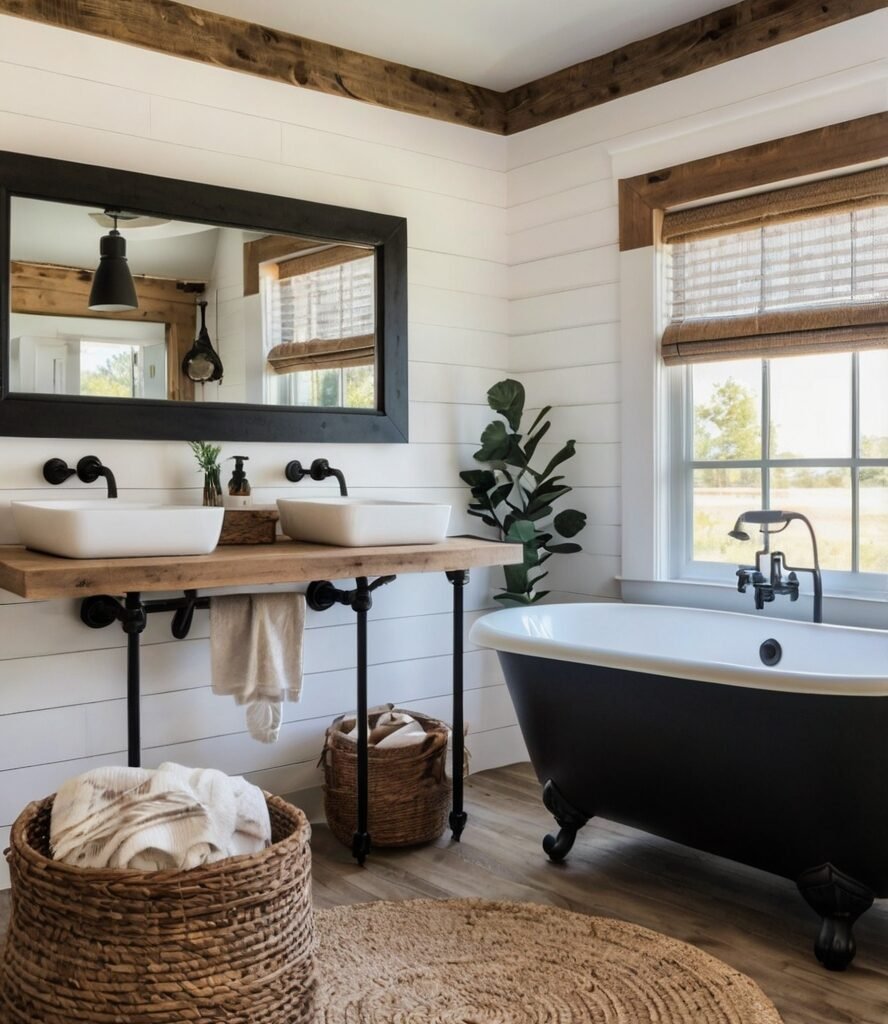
(61, 685)
(513, 268)
(565, 267)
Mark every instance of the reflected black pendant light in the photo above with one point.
(202, 364)
(112, 289)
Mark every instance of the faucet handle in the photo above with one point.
(742, 580)
(57, 471)
(792, 585)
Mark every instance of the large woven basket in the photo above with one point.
(231, 941)
(409, 789)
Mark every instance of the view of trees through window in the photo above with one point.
(106, 370)
(781, 434)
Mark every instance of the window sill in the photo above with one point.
(838, 609)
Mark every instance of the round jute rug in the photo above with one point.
(478, 962)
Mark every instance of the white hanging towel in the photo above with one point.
(172, 818)
(256, 653)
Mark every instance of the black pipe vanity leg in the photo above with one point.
(134, 622)
(458, 817)
(320, 596)
(361, 838)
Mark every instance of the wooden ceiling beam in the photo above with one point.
(174, 28)
(182, 31)
(706, 42)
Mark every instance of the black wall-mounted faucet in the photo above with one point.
(320, 469)
(89, 469)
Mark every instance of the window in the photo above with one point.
(807, 433)
(320, 331)
(804, 426)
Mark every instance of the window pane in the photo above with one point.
(727, 410)
(811, 407)
(874, 520)
(824, 496)
(873, 407)
(720, 495)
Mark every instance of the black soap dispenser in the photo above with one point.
(239, 495)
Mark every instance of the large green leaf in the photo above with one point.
(540, 415)
(569, 522)
(567, 452)
(496, 443)
(508, 598)
(530, 445)
(507, 398)
(478, 479)
(499, 495)
(488, 520)
(521, 531)
(564, 549)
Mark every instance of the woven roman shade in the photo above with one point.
(789, 272)
(321, 311)
(293, 356)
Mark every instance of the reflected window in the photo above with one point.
(319, 319)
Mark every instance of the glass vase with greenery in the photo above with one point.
(518, 499)
(207, 456)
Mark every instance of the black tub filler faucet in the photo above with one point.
(766, 588)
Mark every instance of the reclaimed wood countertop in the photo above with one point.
(31, 574)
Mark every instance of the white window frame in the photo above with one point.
(683, 464)
(649, 438)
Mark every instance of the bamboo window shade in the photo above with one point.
(321, 311)
(793, 271)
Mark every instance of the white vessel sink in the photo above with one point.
(363, 522)
(112, 528)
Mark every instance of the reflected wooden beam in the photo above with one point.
(46, 289)
(270, 247)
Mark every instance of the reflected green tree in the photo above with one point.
(113, 379)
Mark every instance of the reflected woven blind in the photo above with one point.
(784, 280)
(324, 319)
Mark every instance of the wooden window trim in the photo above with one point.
(644, 198)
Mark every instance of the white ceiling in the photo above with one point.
(495, 43)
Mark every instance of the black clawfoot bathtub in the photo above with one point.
(670, 720)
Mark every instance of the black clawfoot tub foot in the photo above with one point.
(839, 900)
(569, 819)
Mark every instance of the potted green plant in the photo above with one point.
(518, 499)
(207, 456)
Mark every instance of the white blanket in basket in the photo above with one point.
(171, 818)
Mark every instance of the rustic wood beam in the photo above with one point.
(846, 144)
(170, 27)
(724, 35)
(182, 31)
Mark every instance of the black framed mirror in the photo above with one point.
(142, 307)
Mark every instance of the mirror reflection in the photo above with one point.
(107, 303)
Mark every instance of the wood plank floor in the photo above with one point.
(754, 921)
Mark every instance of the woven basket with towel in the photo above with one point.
(230, 940)
(409, 789)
